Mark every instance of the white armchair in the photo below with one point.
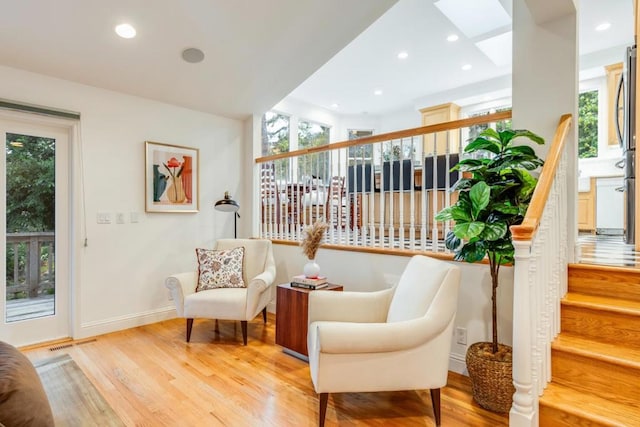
(396, 339)
(259, 272)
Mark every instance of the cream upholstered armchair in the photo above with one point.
(229, 303)
(396, 339)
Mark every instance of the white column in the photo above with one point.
(545, 80)
(524, 411)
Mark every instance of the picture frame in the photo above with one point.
(171, 178)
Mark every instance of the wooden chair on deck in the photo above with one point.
(294, 204)
(334, 209)
(269, 196)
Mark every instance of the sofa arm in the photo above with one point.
(256, 290)
(367, 307)
(180, 286)
(349, 338)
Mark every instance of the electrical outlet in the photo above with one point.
(461, 336)
(103, 218)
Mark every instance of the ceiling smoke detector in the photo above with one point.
(192, 55)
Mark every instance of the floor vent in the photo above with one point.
(61, 346)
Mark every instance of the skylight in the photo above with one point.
(474, 17)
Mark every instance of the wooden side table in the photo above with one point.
(292, 305)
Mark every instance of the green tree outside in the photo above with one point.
(588, 124)
(30, 190)
(30, 183)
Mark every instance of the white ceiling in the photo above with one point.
(433, 67)
(256, 52)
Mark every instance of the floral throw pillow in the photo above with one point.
(220, 268)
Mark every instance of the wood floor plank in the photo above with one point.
(151, 377)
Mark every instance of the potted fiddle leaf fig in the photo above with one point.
(493, 195)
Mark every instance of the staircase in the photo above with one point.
(595, 361)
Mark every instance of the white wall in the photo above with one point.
(358, 271)
(119, 276)
(339, 124)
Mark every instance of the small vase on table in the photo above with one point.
(311, 269)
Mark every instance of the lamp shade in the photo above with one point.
(227, 204)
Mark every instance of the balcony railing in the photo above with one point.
(381, 191)
(30, 264)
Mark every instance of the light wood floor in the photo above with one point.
(151, 377)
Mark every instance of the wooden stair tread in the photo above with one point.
(600, 411)
(602, 303)
(612, 353)
(595, 268)
(619, 282)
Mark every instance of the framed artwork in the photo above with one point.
(171, 178)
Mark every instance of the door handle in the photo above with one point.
(619, 91)
(620, 189)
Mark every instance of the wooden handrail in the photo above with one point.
(527, 229)
(406, 133)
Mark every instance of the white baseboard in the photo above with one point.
(457, 364)
(99, 327)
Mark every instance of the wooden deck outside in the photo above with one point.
(30, 308)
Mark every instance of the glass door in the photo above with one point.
(35, 228)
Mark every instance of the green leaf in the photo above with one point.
(528, 134)
(505, 207)
(468, 230)
(482, 144)
(459, 213)
(494, 231)
(506, 136)
(463, 184)
(471, 252)
(445, 214)
(521, 149)
(452, 242)
(479, 194)
(490, 133)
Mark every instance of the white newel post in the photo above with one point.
(524, 411)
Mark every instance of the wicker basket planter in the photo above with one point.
(491, 378)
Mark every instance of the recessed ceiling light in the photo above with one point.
(452, 38)
(192, 55)
(377, 92)
(125, 31)
(466, 67)
(604, 26)
(403, 55)
(334, 105)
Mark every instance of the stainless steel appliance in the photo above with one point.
(626, 131)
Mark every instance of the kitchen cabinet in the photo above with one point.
(440, 114)
(587, 208)
(614, 71)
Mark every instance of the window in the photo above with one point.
(588, 124)
(275, 133)
(312, 135)
(358, 153)
(475, 130)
